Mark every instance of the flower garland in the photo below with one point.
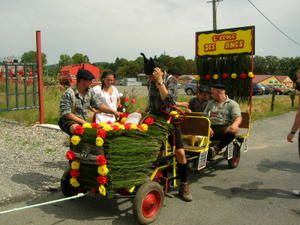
(233, 76)
(101, 134)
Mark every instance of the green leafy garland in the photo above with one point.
(122, 154)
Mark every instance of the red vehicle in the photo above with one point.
(67, 74)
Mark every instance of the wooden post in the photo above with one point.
(40, 76)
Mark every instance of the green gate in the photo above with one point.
(18, 86)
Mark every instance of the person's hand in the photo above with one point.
(233, 129)
(290, 137)
(211, 132)
(158, 75)
(117, 114)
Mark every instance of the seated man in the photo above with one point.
(225, 117)
(198, 103)
(76, 101)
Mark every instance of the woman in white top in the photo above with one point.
(108, 94)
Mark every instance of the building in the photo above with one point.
(273, 80)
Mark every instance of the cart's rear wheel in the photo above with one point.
(67, 189)
(148, 202)
(235, 160)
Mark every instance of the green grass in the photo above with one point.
(261, 107)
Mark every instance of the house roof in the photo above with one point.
(261, 77)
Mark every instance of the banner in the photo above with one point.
(225, 42)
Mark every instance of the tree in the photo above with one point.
(79, 58)
(64, 60)
(30, 57)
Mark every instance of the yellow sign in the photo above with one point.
(224, 42)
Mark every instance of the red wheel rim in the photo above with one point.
(151, 204)
(235, 161)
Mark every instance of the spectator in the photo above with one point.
(296, 126)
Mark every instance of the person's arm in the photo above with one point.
(72, 116)
(67, 106)
(237, 119)
(295, 127)
(163, 91)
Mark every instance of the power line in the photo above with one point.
(291, 39)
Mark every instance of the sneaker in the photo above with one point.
(296, 192)
(185, 193)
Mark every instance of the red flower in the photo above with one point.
(133, 101)
(207, 77)
(243, 76)
(109, 122)
(115, 127)
(70, 155)
(78, 130)
(225, 75)
(124, 115)
(101, 133)
(102, 180)
(101, 160)
(127, 126)
(95, 125)
(149, 120)
(74, 173)
(126, 99)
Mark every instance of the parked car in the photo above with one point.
(191, 87)
(268, 89)
(257, 89)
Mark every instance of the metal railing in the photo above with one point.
(18, 86)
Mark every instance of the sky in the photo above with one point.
(106, 29)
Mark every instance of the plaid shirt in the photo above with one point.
(155, 101)
(73, 102)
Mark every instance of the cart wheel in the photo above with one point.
(235, 160)
(67, 189)
(148, 202)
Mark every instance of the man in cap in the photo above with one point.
(225, 117)
(162, 89)
(76, 101)
(198, 103)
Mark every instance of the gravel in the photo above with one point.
(32, 161)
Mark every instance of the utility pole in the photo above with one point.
(214, 9)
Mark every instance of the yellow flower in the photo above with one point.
(102, 124)
(87, 125)
(99, 141)
(75, 139)
(102, 190)
(176, 116)
(107, 127)
(74, 182)
(123, 120)
(144, 127)
(233, 75)
(122, 127)
(215, 76)
(133, 126)
(75, 165)
(197, 77)
(102, 170)
(250, 74)
(173, 113)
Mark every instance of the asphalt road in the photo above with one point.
(257, 192)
